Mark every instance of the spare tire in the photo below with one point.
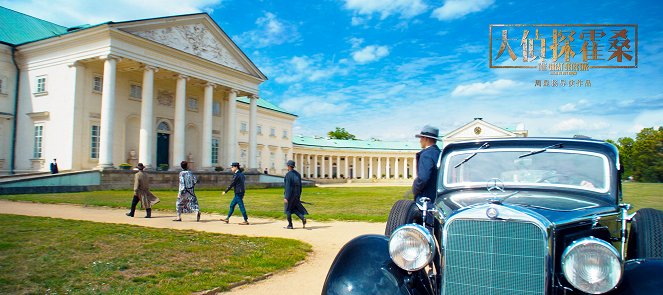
(403, 212)
(646, 236)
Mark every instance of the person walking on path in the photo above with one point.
(54, 167)
(425, 183)
(292, 195)
(238, 186)
(187, 202)
(142, 193)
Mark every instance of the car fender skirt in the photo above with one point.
(641, 276)
(363, 266)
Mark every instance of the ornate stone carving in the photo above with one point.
(194, 39)
(165, 97)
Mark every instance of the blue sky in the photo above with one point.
(384, 68)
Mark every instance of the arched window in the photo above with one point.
(163, 128)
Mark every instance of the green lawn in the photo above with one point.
(55, 256)
(356, 204)
(343, 203)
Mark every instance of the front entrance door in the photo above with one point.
(163, 145)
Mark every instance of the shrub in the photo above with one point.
(218, 168)
(125, 166)
(163, 167)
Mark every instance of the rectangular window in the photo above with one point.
(41, 84)
(215, 151)
(272, 132)
(192, 104)
(2, 86)
(216, 108)
(242, 127)
(135, 91)
(97, 83)
(259, 130)
(285, 134)
(39, 133)
(94, 142)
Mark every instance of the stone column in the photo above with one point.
(179, 141)
(207, 127)
(370, 167)
(347, 169)
(253, 132)
(338, 166)
(414, 168)
(354, 167)
(231, 137)
(396, 168)
(379, 175)
(315, 166)
(107, 113)
(147, 133)
(405, 168)
(388, 170)
(363, 167)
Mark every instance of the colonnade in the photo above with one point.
(357, 166)
(147, 150)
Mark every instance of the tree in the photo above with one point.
(642, 157)
(341, 133)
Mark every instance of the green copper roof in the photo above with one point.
(18, 28)
(265, 104)
(325, 143)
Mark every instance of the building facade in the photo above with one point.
(323, 158)
(156, 91)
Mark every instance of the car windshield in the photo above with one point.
(548, 167)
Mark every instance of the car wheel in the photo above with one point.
(646, 237)
(403, 212)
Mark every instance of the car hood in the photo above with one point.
(555, 206)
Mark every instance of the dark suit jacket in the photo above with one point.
(238, 183)
(426, 182)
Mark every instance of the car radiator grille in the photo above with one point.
(494, 257)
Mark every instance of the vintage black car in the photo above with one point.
(512, 216)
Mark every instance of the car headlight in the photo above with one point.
(411, 247)
(592, 265)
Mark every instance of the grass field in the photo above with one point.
(55, 256)
(342, 203)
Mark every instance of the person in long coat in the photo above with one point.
(142, 193)
(187, 202)
(292, 195)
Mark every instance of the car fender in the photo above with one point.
(641, 276)
(363, 266)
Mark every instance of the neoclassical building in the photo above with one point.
(156, 91)
(321, 157)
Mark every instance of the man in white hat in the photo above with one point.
(425, 183)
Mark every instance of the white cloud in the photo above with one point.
(579, 125)
(453, 9)
(71, 13)
(370, 53)
(386, 8)
(271, 31)
(314, 105)
(305, 68)
(486, 88)
(574, 107)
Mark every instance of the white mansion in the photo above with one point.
(159, 91)
(156, 91)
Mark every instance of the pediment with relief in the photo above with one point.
(195, 39)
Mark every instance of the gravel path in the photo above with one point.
(327, 238)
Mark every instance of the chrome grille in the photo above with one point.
(494, 257)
